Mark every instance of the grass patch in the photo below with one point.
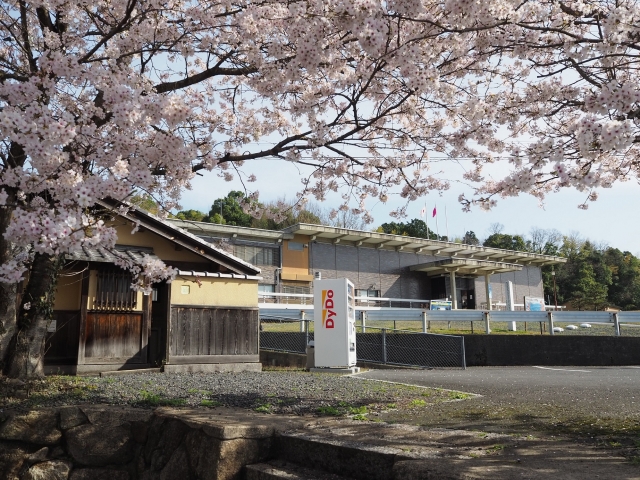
(358, 410)
(459, 395)
(495, 448)
(210, 403)
(328, 410)
(155, 400)
(360, 417)
(193, 391)
(265, 408)
(417, 402)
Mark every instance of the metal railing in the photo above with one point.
(375, 345)
(270, 298)
(482, 321)
(518, 307)
(286, 298)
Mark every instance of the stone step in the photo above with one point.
(281, 470)
(351, 459)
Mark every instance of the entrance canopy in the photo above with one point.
(465, 267)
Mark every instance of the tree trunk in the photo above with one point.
(8, 292)
(8, 295)
(26, 355)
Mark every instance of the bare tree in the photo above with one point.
(496, 228)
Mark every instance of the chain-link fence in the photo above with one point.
(285, 334)
(374, 345)
(401, 347)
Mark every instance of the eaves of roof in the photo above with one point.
(419, 245)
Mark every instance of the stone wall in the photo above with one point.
(122, 443)
(556, 350)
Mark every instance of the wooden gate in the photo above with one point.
(114, 338)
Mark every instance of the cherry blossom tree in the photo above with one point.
(119, 97)
(560, 100)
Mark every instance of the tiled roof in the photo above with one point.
(103, 255)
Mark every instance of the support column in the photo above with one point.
(454, 296)
(487, 284)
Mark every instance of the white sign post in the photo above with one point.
(334, 323)
(510, 304)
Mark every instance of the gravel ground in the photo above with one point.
(290, 392)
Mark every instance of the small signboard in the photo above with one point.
(440, 305)
(52, 326)
(534, 304)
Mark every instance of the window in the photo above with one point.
(113, 290)
(266, 288)
(295, 246)
(258, 255)
(367, 293)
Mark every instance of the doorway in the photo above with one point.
(160, 310)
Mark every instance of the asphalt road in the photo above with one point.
(562, 392)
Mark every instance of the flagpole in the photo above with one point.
(436, 215)
(426, 220)
(446, 222)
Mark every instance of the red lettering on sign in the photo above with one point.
(328, 304)
(329, 323)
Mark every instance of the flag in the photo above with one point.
(423, 211)
(434, 212)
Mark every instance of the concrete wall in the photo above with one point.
(527, 281)
(283, 359)
(224, 292)
(512, 350)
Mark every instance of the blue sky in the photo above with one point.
(610, 219)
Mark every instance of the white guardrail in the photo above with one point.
(366, 314)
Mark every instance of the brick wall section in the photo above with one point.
(268, 273)
(388, 270)
(369, 268)
(390, 274)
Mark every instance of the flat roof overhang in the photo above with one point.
(229, 231)
(465, 267)
(420, 245)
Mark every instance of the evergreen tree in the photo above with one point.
(470, 238)
(506, 241)
(415, 228)
(192, 215)
(231, 209)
